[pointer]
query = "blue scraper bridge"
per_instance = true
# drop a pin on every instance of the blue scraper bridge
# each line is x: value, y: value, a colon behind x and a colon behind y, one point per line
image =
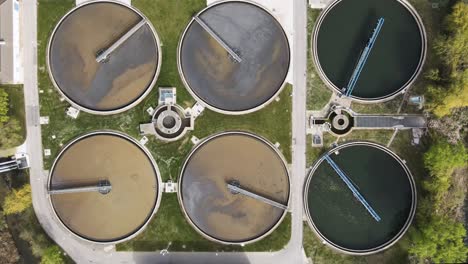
x: 363, y: 58
x: 352, y: 188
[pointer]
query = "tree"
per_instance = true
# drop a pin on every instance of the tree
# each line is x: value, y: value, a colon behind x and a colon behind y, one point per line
x: 452, y: 47
x: 3, y: 106
x: 52, y: 255
x: 441, y: 240
x: 18, y: 200
x: 449, y: 88
x: 455, y: 97
x: 441, y: 160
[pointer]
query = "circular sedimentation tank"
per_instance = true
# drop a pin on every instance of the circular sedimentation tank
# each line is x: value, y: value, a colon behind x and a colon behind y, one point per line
x: 113, y: 215
x: 245, y: 160
x: 336, y: 214
x: 341, y: 33
x: 214, y: 76
x: 114, y: 84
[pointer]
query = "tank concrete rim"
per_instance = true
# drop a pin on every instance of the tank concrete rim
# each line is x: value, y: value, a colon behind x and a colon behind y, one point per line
x: 201, y: 101
x: 403, y: 88
x: 179, y: 193
x: 131, y: 104
x: 179, y: 109
x: 350, y: 130
x: 385, y: 245
x: 337, y: 119
x: 153, y: 163
x: 169, y: 114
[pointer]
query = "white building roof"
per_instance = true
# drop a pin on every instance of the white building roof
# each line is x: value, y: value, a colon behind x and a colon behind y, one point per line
x: 11, y: 68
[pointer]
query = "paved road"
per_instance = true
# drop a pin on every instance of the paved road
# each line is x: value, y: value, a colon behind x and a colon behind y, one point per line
x: 385, y: 121
x: 83, y: 252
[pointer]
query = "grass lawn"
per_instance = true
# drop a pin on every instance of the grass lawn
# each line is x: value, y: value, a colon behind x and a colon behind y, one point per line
x: 318, y: 94
x: 389, y: 107
x: 169, y: 18
x: 16, y: 110
x: 322, y: 254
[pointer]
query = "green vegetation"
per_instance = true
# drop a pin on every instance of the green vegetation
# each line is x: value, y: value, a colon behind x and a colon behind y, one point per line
x: 18, y: 200
x: 3, y: 106
x: 168, y: 225
x: 30, y: 240
x: 441, y: 240
x: 52, y: 255
x: 8, y: 251
x: 12, y: 122
x: 389, y: 107
x: 318, y: 94
x: 438, y: 234
x: 441, y: 160
x: 448, y: 88
x: 439, y: 164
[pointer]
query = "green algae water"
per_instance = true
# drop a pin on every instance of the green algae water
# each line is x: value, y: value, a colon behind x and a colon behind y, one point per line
x: 381, y: 179
x: 395, y: 59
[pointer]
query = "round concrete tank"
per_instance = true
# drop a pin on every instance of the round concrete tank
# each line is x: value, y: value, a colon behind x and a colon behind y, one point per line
x: 226, y: 215
x: 343, y: 31
x: 104, y: 57
x: 104, y: 187
x: 234, y: 57
x: 338, y: 215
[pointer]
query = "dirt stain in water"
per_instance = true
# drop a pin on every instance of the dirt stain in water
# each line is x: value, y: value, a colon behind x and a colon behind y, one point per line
x: 103, y: 86
x: 213, y: 208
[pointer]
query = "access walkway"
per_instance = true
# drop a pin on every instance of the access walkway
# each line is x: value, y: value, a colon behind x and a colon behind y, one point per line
x: 382, y: 121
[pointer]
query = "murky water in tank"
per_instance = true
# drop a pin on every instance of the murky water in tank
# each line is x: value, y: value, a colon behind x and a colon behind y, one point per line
x: 103, y: 86
x: 340, y: 217
x: 394, y: 58
x: 256, y: 37
x: 220, y: 213
x: 114, y: 215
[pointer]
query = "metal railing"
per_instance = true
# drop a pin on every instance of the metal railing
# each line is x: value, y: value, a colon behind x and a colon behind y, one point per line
x: 363, y: 58
x: 353, y: 189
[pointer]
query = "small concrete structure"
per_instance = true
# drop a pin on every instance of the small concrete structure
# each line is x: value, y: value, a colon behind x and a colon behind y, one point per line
x: 11, y: 66
x: 167, y: 95
x: 170, y: 187
x: 417, y: 100
x: 47, y: 152
x: 196, y: 110
x: 150, y: 111
x: 143, y: 140
x: 194, y: 140
x: 73, y: 112
x: 169, y: 121
x: 44, y: 120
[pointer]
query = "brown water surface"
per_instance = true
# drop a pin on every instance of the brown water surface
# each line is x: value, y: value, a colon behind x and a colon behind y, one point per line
x: 213, y: 208
x: 116, y: 83
x: 115, y: 215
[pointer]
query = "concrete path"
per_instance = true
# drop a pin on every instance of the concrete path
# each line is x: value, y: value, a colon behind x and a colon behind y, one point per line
x: 79, y: 2
x: 384, y: 121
